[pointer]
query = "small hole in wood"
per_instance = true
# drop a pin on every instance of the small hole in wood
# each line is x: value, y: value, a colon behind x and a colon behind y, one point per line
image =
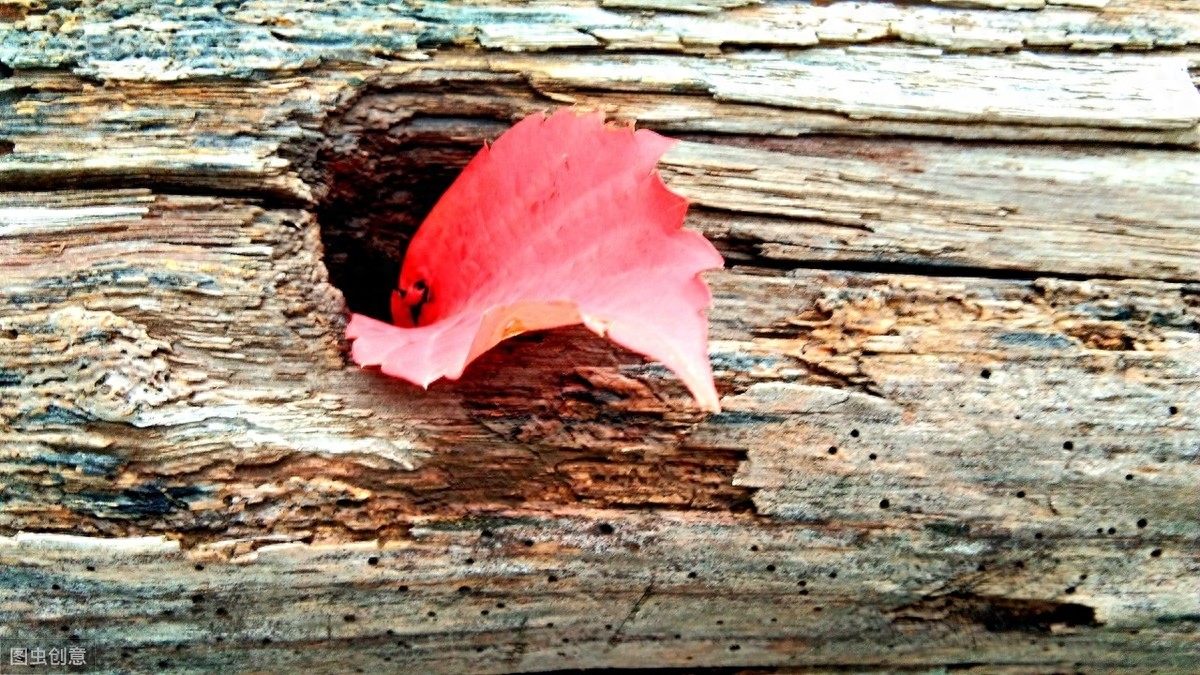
x: 883, y: 503
x: 1068, y: 445
x: 1156, y: 553
x: 985, y: 373
x: 373, y: 560
x: 605, y: 528
x: 1142, y: 523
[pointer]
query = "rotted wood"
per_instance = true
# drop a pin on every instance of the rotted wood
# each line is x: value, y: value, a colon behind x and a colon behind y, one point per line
x: 957, y: 340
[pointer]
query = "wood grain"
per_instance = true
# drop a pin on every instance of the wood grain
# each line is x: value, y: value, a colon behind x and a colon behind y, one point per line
x: 957, y: 342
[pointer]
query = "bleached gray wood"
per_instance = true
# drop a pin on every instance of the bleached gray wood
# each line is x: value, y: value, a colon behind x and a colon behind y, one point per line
x: 956, y: 342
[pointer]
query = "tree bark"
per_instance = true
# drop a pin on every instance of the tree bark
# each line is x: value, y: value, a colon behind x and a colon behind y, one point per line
x: 957, y: 341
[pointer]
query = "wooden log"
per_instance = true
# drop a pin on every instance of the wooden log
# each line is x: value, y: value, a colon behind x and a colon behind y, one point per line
x: 957, y: 342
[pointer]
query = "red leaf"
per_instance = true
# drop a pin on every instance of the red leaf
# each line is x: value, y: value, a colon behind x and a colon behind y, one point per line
x: 561, y: 221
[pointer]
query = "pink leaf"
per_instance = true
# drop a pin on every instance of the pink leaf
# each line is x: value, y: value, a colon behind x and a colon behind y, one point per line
x: 561, y: 221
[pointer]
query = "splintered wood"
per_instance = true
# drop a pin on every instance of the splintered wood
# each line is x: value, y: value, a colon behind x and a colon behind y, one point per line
x: 957, y: 342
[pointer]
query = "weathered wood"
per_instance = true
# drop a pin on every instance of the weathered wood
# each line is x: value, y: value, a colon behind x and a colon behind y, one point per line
x: 958, y: 343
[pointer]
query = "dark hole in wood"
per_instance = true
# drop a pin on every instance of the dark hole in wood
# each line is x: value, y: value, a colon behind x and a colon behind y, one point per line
x: 378, y: 194
x: 1001, y: 614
